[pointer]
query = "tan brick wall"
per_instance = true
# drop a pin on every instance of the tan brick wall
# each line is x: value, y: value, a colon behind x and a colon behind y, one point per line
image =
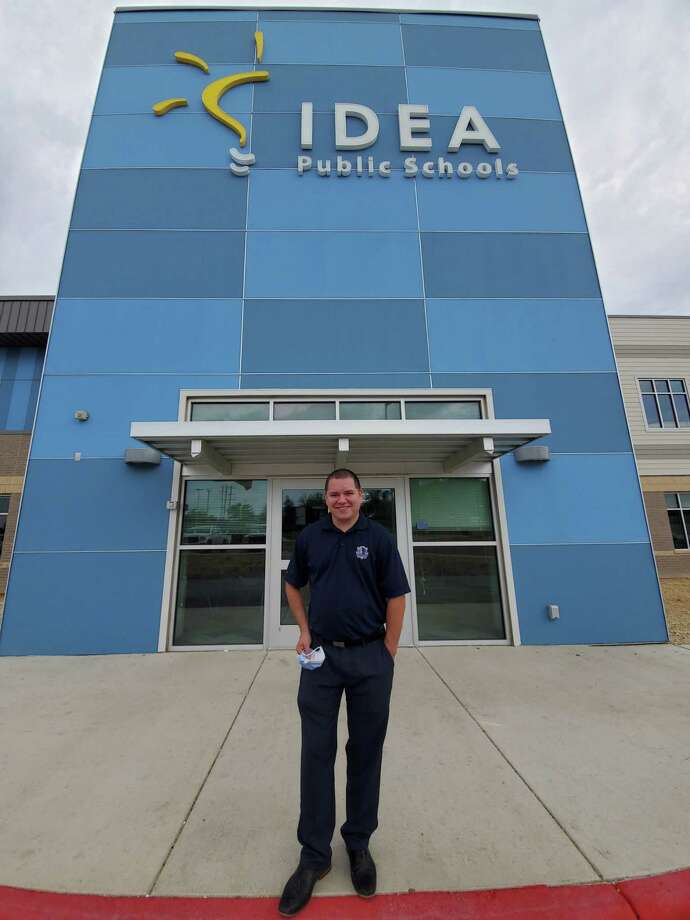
x: 659, y: 525
x: 676, y: 593
x: 14, y: 450
x: 665, y: 483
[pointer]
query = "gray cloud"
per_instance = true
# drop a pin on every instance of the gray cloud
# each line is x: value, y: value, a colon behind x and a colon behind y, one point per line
x: 620, y: 70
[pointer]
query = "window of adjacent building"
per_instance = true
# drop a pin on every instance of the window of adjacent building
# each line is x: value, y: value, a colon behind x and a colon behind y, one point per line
x: 665, y: 402
x: 678, y: 506
x: 222, y: 562
x: 4, y: 510
x: 457, y: 582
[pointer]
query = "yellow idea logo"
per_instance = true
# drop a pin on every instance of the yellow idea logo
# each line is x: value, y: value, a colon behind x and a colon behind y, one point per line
x: 211, y: 96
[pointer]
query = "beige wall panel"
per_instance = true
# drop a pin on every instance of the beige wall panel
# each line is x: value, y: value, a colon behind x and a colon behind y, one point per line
x: 663, y: 467
x: 665, y: 483
x: 674, y: 565
x: 676, y: 592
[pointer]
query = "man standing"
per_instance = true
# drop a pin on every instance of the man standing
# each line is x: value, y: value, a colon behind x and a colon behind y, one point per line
x: 358, y: 587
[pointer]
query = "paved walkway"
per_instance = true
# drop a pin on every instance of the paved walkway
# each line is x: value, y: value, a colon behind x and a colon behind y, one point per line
x: 177, y: 774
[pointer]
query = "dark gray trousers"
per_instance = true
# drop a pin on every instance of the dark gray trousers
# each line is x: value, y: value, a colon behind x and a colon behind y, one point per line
x: 365, y: 673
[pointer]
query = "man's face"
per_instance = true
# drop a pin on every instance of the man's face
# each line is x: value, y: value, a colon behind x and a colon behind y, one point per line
x: 344, y: 499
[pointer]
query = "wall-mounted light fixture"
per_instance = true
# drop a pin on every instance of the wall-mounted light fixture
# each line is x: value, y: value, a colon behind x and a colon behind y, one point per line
x: 81, y: 415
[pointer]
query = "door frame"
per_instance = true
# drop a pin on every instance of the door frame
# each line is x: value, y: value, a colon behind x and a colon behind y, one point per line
x: 277, y: 636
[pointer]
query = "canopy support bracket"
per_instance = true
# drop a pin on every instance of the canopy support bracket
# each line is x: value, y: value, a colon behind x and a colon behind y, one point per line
x: 205, y: 453
x: 477, y: 449
x: 343, y: 452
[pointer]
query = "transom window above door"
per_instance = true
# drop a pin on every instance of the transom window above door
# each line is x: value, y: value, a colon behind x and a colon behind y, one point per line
x: 284, y: 410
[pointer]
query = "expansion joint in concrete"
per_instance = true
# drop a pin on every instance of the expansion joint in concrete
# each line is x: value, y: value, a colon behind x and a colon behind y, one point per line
x: 205, y: 779
x: 515, y: 770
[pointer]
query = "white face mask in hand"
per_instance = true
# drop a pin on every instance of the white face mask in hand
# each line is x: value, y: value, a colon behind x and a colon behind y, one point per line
x: 313, y: 660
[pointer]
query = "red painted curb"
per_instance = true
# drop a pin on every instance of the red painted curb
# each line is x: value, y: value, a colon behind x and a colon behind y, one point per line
x: 573, y: 902
x: 661, y: 897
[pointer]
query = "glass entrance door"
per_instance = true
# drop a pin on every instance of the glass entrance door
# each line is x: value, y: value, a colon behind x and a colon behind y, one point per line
x: 297, y: 503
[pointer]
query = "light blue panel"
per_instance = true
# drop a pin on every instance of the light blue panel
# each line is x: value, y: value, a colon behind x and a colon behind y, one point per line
x: 283, y: 200
x: 533, y: 201
x: 188, y: 15
x: 176, y: 139
x: 113, y: 402
x: 148, y: 263
x: 606, y: 594
x: 350, y: 43
x: 332, y: 265
x: 536, y: 145
x: 492, y: 49
x: 275, y: 141
x: 574, y: 498
x: 382, y: 88
x: 130, y: 90
x: 82, y: 496
x: 140, y: 43
x: 500, y: 336
x: 145, y: 336
x: 585, y: 410
x: 19, y: 404
x: 298, y: 335
x: 29, y: 362
x: 83, y: 604
x: 551, y: 265
x: 328, y: 15
x: 501, y: 93
x: 468, y: 21
x: 384, y: 382
x: 159, y: 199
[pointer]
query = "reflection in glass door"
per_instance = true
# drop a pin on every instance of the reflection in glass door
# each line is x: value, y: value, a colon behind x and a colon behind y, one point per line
x: 297, y: 504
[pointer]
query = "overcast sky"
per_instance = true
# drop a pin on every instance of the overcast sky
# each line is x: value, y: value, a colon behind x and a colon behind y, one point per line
x: 622, y: 73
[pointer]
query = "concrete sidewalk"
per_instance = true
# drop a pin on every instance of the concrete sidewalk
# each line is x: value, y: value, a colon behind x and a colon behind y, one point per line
x: 177, y: 774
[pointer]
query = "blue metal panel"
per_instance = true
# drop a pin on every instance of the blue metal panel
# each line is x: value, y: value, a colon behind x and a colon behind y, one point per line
x: 334, y: 381
x: 494, y: 49
x: 81, y: 497
x: 187, y: 15
x: 508, y: 265
x: 574, y: 498
x: 348, y: 43
x: 149, y: 336
x: 106, y: 602
x: 29, y: 362
x: 381, y: 88
x: 586, y: 410
x: 18, y: 408
x: 328, y: 15
x: 501, y: 93
x: 176, y: 139
x: 147, y: 263
x: 280, y: 199
x: 113, y: 402
x: 504, y: 336
x: 332, y: 265
x: 152, y: 43
x: 275, y: 140
x: 464, y: 20
x: 606, y: 594
x: 535, y: 145
x: 131, y: 90
x: 548, y: 203
x: 299, y: 341
x: 159, y: 199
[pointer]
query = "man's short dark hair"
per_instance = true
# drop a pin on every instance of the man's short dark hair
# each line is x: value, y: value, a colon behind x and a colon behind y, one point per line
x: 342, y: 474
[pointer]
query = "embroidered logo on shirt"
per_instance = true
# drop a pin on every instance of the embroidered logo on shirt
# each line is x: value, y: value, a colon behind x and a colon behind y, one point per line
x: 362, y: 552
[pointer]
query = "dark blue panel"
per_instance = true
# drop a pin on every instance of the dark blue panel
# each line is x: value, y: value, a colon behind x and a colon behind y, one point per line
x: 214, y: 14
x: 349, y: 43
x: 467, y: 20
x: 31, y: 407
x: 275, y: 140
x: 157, y: 42
x: 494, y: 49
x: 334, y: 381
x: 149, y: 263
x: 381, y: 88
x: 535, y: 145
x: 159, y: 199
x: 508, y: 265
x: 83, y: 604
x: 586, y: 410
x: 605, y: 594
x: 145, y: 336
x: 372, y: 335
x: 329, y: 15
x: 94, y: 505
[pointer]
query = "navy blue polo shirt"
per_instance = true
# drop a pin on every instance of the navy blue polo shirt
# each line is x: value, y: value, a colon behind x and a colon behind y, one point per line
x: 351, y: 575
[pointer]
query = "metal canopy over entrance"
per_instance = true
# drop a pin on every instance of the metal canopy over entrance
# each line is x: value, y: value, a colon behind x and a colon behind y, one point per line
x: 449, y: 444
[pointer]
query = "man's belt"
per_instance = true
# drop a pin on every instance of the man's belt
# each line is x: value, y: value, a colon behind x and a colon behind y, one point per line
x: 348, y: 643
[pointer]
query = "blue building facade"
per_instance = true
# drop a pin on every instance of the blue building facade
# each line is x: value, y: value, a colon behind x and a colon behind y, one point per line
x: 359, y: 253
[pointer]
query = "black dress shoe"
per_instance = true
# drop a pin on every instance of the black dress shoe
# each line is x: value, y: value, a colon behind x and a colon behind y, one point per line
x: 363, y: 872
x: 298, y: 889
